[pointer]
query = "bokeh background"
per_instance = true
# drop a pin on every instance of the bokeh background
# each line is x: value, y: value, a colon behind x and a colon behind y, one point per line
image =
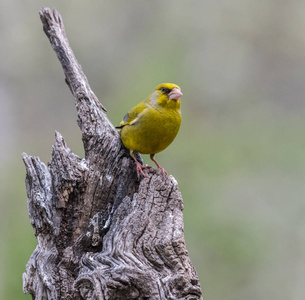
x: 239, y: 158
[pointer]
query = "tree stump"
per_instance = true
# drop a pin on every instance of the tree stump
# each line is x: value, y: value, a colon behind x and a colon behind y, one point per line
x: 101, y: 234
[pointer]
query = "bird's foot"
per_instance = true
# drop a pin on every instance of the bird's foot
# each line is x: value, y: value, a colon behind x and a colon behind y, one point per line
x: 139, y: 168
x: 159, y: 167
x: 145, y: 167
x: 162, y: 170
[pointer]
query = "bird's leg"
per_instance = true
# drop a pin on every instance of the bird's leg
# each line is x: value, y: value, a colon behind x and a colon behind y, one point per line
x: 139, y: 166
x: 159, y: 167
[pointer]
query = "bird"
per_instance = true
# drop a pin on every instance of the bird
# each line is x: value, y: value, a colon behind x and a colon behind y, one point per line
x: 152, y: 125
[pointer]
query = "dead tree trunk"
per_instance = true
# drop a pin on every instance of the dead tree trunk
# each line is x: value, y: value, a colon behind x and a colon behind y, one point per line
x: 101, y: 234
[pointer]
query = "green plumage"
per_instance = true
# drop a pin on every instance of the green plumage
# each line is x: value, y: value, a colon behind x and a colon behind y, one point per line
x: 152, y: 125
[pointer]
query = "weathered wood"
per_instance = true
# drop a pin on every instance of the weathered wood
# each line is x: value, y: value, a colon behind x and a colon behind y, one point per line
x: 101, y: 234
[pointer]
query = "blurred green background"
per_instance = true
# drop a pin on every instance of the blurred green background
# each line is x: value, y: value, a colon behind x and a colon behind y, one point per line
x: 239, y: 158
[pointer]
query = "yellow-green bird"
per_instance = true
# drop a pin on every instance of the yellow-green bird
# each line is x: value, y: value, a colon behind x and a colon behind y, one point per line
x: 152, y: 125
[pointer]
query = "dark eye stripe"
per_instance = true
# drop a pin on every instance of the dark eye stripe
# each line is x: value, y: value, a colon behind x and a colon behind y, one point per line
x: 165, y: 90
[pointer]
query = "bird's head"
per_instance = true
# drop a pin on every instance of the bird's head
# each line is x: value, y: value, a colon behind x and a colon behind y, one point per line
x: 166, y: 95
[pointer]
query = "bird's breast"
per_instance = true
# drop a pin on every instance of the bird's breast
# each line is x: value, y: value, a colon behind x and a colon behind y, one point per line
x: 153, y: 131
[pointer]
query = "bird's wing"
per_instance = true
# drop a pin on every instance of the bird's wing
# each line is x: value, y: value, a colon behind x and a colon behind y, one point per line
x: 132, y: 116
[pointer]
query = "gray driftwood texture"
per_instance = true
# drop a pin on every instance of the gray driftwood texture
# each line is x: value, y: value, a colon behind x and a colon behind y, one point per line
x: 101, y: 234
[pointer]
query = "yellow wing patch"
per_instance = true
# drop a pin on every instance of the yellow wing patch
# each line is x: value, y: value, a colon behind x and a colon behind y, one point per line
x: 132, y: 115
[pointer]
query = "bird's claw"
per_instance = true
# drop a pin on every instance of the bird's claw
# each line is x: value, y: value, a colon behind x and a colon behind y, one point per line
x: 140, y: 169
x: 162, y: 170
x: 159, y: 167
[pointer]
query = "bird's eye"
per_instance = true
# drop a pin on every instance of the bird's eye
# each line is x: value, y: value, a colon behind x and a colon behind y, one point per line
x: 163, y: 89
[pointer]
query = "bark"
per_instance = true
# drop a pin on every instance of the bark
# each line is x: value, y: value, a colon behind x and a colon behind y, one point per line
x: 101, y: 233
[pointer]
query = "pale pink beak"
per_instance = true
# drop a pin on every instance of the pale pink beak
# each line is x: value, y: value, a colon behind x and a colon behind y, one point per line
x: 175, y: 94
